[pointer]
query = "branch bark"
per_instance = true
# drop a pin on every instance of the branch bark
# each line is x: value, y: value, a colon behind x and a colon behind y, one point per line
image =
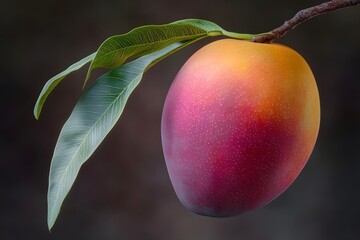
x: 303, y: 16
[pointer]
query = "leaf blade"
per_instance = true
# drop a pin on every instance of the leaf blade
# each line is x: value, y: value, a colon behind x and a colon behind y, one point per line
x: 54, y: 81
x: 146, y: 39
x: 85, y: 129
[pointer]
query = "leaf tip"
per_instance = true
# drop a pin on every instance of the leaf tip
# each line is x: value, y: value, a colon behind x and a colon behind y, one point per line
x: 50, y: 225
x: 51, y: 221
x: 37, y: 111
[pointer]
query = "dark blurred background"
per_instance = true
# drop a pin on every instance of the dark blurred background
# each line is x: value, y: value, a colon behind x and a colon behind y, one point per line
x: 123, y: 191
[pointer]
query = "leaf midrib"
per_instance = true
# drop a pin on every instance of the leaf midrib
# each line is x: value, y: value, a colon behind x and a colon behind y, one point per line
x: 142, y: 44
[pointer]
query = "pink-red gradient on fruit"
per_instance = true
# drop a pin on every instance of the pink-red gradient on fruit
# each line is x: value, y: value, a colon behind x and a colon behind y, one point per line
x: 239, y: 123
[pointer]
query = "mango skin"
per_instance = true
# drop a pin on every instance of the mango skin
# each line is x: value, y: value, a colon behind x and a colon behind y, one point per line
x: 239, y: 124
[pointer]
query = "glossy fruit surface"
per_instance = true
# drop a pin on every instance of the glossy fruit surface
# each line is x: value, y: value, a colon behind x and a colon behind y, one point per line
x: 239, y: 123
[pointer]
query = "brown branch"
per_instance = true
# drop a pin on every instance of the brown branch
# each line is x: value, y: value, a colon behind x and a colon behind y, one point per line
x: 303, y: 16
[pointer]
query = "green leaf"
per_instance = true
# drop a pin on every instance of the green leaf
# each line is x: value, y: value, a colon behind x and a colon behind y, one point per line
x: 146, y: 39
x: 93, y: 117
x: 114, y: 51
x: 54, y: 81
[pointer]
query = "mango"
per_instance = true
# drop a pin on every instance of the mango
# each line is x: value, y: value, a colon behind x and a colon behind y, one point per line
x: 239, y: 124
